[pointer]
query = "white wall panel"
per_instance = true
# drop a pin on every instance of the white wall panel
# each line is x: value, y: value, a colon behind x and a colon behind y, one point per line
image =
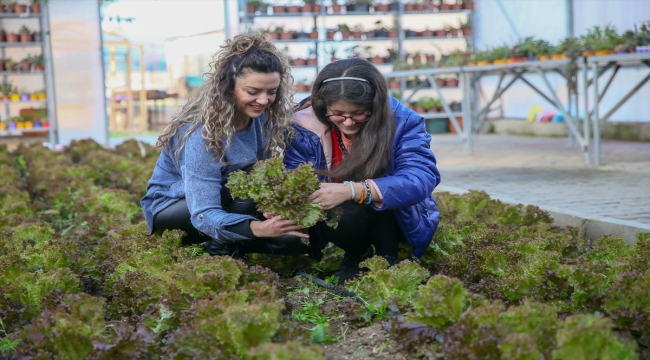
x: 78, y: 75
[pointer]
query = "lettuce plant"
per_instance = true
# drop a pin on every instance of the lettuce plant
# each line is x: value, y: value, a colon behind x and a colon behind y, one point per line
x: 281, y: 192
x: 440, y: 303
x: 228, y: 325
x: 586, y: 337
x: 67, y: 331
x: 383, y: 285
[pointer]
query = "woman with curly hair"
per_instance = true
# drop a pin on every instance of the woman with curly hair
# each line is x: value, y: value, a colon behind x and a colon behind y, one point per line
x: 239, y: 115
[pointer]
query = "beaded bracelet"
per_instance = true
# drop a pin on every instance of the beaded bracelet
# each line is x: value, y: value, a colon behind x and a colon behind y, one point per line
x: 351, y: 183
x: 363, y: 194
x: 368, y: 198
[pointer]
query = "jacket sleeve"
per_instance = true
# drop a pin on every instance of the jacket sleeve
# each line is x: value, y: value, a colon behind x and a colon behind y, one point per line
x: 299, y: 150
x: 414, y: 174
x: 201, y: 172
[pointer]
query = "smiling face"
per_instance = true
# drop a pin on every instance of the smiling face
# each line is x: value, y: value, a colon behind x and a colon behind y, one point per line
x: 254, y: 92
x: 349, y: 128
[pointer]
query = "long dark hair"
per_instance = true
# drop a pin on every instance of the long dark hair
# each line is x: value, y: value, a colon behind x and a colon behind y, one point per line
x: 213, y: 103
x: 369, y: 157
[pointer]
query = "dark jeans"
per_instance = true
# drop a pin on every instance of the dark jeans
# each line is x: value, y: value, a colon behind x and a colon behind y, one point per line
x: 177, y: 216
x: 359, y: 227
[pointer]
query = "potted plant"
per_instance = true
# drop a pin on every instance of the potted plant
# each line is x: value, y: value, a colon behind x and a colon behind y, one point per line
x: 12, y: 37
x: 298, y: 61
x: 393, y: 32
x: 17, y: 7
x: 440, y: 33
x: 35, y: 6
x: 452, y: 31
x: 313, y: 34
x: 353, y: 51
x: 466, y: 27
x: 357, y: 30
x: 331, y: 51
x: 253, y: 5
x: 451, y: 82
x: 408, y: 7
x: 344, y: 30
x: 3, y: 9
x: 302, y: 85
x: 26, y: 63
x: 3, y: 35
x: 293, y: 9
x: 278, y: 9
x: 330, y: 34
x: 456, y: 6
x: 394, y: 83
x: 286, y: 35
x: 336, y: 7
x: 381, y: 7
x: 5, y: 90
x: 444, y: 6
x: 313, y: 59
x: 311, y: 6
x: 38, y: 62
x: 393, y: 54
x: 25, y: 34
x: 37, y: 36
x: 468, y: 4
x: 377, y: 59
x: 415, y: 106
x: 381, y: 31
x: 430, y: 57
x: 418, y: 5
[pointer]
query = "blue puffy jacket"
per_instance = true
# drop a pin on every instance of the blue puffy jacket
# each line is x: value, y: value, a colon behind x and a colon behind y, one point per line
x: 408, y: 187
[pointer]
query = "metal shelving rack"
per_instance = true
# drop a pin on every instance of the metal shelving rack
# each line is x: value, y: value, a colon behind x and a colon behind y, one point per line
x: 48, y: 79
x: 247, y: 19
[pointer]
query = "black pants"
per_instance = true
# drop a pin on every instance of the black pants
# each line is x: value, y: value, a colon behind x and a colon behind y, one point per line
x: 359, y: 227
x: 177, y: 216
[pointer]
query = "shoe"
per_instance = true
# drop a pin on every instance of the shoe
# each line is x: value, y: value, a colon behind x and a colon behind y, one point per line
x: 349, y: 268
x: 215, y: 247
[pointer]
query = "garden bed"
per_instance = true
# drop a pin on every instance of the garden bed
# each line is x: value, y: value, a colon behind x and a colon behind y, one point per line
x: 79, y: 278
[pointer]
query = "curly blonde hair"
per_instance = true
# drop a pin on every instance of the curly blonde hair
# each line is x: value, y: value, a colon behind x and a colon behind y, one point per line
x: 213, y: 103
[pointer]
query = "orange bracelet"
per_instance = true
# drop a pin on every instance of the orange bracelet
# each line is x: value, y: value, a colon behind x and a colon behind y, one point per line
x: 362, y: 196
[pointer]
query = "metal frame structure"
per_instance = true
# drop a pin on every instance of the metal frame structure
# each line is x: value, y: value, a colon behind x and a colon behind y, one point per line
x: 114, y: 105
x: 474, y: 115
x: 48, y: 77
x: 598, y: 66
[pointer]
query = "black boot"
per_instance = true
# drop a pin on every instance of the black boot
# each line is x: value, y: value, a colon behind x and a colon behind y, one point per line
x: 349, y: 268
x: 215, y: 247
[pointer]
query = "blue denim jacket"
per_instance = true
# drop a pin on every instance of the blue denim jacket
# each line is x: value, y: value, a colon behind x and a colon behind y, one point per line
x: 198, y: 176
x: 408, y: 188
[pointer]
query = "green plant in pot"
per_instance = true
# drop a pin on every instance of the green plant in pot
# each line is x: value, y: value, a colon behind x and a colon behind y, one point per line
x: 25, y: 34
x: 38, y: 62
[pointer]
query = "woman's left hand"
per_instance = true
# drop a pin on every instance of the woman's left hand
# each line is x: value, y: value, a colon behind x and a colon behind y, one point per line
x: 331, y: 195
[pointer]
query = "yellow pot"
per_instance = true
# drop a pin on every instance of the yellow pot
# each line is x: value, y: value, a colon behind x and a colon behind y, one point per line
x: 558, y: 56
x: 601, y: 52
x: 471, y: 63
x: 33, y: 97
x: 3, y: 126
x: 42, y: 96
x: 20, y: 125
x: 29, y: 125
x: 14, y: 97
x: 588, y: 53
x: 482, y: 63
x: 544, y: 58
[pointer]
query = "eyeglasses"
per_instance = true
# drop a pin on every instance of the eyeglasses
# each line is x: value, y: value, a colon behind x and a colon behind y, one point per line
x: 357, y: 118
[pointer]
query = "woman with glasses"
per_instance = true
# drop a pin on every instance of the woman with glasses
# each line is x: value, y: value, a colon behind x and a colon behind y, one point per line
x: 372, y: 154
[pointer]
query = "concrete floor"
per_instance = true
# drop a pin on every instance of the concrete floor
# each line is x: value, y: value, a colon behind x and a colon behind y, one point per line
x: 549, y: 172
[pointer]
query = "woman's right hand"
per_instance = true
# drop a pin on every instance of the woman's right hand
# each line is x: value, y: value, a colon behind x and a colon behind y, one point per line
x: 275, y: 226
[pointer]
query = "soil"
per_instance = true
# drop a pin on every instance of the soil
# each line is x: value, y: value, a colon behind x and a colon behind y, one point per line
x: 349, y: 340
